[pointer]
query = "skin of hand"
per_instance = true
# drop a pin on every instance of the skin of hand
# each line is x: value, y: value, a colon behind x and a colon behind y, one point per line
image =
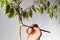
x: 34, y: 33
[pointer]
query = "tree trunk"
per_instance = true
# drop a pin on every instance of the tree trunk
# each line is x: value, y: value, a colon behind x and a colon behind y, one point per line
x: 19, y: 28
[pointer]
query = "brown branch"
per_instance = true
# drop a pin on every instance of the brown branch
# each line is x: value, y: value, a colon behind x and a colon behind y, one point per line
x: 40, y: 29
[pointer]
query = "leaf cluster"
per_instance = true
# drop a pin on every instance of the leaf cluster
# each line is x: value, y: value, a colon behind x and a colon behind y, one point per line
x: 12, y: 8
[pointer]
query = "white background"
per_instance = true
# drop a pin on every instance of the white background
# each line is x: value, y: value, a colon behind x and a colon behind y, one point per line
x: 9, y: 27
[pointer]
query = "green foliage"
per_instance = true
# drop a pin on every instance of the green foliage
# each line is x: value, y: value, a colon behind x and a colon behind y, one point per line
x: 11, y: 14
x: 55, y: 7
x: 59, y: 2
x: 54, y: 13
x: 0, y: 0
x: 7, y: 9
x: 44, y: 7
x: 48, y: 4
x: 41, y: 1
x: 10, y: 10
x: 13, y: 8
x: 2, y: 3
x: 17, y: 9
x: 14, y: 0
x: 40, y: 10
x: 50, y: 13
x: 25, y: 15
x: 30, y: 12
x: 33, y: 7
x: 6, y: 2
x: 51, y: 10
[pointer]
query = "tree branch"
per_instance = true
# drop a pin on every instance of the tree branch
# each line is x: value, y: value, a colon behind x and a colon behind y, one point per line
x: 20, y: 3
x: 40, y: 29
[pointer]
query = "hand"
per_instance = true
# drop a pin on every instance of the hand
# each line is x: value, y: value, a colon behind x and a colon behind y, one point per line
x: 33, y: 33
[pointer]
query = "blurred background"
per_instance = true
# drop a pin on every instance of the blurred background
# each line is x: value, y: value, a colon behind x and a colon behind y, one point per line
x: 9, y: 27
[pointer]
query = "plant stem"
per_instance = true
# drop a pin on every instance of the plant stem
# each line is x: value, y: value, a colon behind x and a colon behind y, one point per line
x: 19, y: 22
x: 19, y: 28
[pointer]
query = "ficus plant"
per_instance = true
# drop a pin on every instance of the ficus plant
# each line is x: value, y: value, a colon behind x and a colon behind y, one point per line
x: 13, y: 8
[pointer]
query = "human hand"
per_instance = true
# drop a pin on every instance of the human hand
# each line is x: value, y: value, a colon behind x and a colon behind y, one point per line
x: 33, y: 33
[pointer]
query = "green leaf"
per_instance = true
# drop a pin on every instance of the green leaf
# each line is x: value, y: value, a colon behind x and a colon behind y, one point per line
x: 14, y: 1
x: 7, y: 9
x: 33, y: 7
x: 50, y: 13
x: 27, y: 15
x: 59, y: 2
x: 17, y: 10
x: 6, y: 2
x: 2, y: 3
x: 54, y: 13
x: 24, y: 15
x: 55, y: 7
x: 40, y: 10
x: 12, y: 10
x: 30, y: 13
x: 44, y: 7
x: 48, y: 3
x: 41, y: 1
x: 11, y: 14
x: 0, y: 0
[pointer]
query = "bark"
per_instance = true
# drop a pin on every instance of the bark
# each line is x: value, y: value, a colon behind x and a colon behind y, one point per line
x: 19, y: 28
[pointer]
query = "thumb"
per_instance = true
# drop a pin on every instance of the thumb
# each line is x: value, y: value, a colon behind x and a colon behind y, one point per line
x: 29, y: 30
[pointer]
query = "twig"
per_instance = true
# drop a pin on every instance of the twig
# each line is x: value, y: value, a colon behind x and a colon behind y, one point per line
x: 40, y: 29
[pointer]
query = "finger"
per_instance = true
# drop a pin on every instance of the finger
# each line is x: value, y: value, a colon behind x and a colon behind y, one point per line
x: 35, y: 27
x: 37, y: 30
x: 29, y: 30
